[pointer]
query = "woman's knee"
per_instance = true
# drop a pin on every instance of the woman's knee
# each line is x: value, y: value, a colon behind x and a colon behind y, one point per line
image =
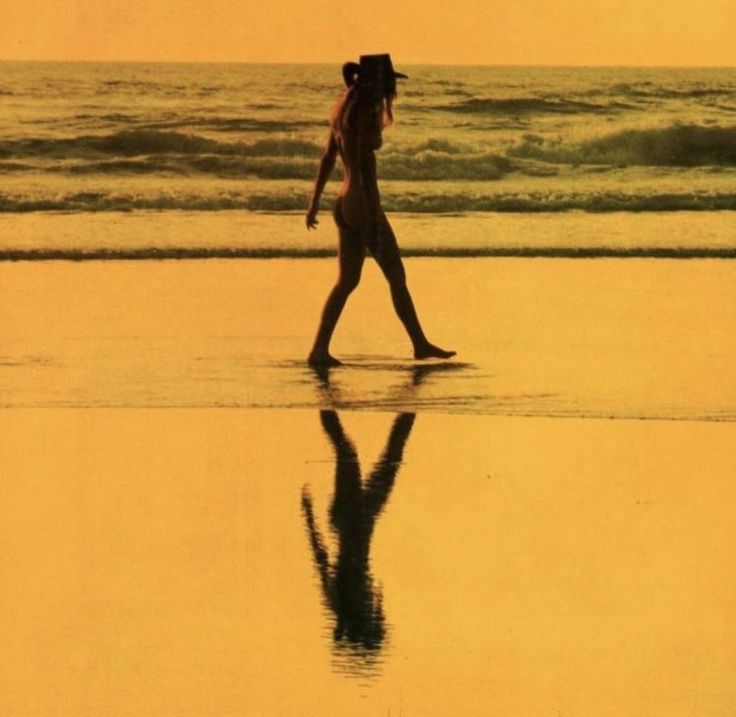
x: 395, y: 273
x: 348, y: 281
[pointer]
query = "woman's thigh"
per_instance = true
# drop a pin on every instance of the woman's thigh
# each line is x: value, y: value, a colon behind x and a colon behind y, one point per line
x: 386, y: 252
x: 351, y: 256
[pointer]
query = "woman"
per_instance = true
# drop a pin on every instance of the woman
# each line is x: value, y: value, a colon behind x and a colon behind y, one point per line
x: 356, y: 128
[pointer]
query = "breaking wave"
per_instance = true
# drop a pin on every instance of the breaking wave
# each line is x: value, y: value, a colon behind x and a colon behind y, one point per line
x: 414, y: 202
x: 679, y: 145
x: 430, y: 164
x: 131, y: 143
x: 176, y: 153
x: 151, y: 151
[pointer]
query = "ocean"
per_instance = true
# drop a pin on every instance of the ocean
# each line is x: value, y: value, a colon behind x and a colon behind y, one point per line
x: 134, y: 159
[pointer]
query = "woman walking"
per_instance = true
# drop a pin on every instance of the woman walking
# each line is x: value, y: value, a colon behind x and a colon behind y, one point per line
x: 356, y: 132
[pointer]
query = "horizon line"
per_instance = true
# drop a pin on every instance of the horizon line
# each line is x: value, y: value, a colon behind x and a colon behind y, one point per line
x: 339, y: 62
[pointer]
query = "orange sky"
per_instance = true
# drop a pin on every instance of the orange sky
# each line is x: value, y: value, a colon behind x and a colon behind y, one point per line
x: 580, y: 32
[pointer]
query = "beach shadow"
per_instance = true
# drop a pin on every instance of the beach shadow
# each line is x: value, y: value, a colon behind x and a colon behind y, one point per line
x: 349, y: 591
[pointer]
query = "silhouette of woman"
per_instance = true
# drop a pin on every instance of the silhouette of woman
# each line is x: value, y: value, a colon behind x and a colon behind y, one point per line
x: 356, y: 127
x: 347, y: 585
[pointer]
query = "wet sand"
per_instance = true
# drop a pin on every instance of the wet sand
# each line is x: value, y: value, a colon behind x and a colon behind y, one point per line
x: 228, y: 233
x: 157, y: 562
x: 630, y: 338
x: 522, y: 556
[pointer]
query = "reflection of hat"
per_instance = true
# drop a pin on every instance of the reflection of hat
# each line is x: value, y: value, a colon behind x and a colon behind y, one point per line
x: 375, y: 70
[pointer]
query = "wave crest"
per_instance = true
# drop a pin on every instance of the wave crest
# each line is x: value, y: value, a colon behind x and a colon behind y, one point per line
x: 431, y: 164
x: 679, y: 145
x: 139, y: 142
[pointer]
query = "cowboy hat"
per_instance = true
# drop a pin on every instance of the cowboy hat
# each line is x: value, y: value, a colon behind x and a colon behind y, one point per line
x: 373, y: 69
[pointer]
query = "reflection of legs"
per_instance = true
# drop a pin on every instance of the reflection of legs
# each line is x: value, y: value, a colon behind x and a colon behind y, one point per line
x: 381, y: 480
x: 344, y: 449
x: 351, y: 257
x: 388, y: 258
x: 346, y: 505
x: 347, y: 583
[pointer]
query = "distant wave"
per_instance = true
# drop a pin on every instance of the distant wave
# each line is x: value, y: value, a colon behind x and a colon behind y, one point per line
x: 679, y: 145
x: 211, y: 124
x: 233, y: 124
x: 529, y: 105
x: 137, y: 84
x: 157, y: 253
x: 650, y: 91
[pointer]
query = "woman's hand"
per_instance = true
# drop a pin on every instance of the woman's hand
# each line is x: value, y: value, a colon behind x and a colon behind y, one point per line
x: 311, y: 219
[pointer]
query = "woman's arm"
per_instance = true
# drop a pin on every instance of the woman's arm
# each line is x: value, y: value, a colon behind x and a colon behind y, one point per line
x: 319, y: 551
x: 326, y: 165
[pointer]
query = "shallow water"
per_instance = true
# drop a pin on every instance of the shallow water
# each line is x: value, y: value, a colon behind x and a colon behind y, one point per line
x: 623, y: 338
x: 159, y: 562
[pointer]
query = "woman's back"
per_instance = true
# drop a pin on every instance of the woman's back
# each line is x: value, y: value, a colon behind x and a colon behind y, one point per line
x: 357, y: 128
x: 357, y: 131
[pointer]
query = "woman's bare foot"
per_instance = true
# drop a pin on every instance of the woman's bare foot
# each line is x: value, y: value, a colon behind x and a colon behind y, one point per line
x: 432, y: 351
x: 322, y: 359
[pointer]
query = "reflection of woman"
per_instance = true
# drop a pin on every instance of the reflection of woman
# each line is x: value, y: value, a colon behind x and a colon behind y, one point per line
x: 347, y: 585
x: 356, y: 132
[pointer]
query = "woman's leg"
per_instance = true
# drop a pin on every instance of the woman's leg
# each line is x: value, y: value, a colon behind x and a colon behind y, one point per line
x: 351, y: 255
x: 386, y: 253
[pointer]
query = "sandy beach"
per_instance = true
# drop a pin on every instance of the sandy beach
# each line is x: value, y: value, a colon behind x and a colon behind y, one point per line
x: 528, y: 558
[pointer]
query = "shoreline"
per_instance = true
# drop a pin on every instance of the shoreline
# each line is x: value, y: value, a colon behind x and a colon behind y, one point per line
x: 625, y: 338
x: 248, y: 234
x: 184, y: 253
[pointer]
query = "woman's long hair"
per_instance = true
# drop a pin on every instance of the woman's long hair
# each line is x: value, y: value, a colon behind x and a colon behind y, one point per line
x: 355, y: 94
